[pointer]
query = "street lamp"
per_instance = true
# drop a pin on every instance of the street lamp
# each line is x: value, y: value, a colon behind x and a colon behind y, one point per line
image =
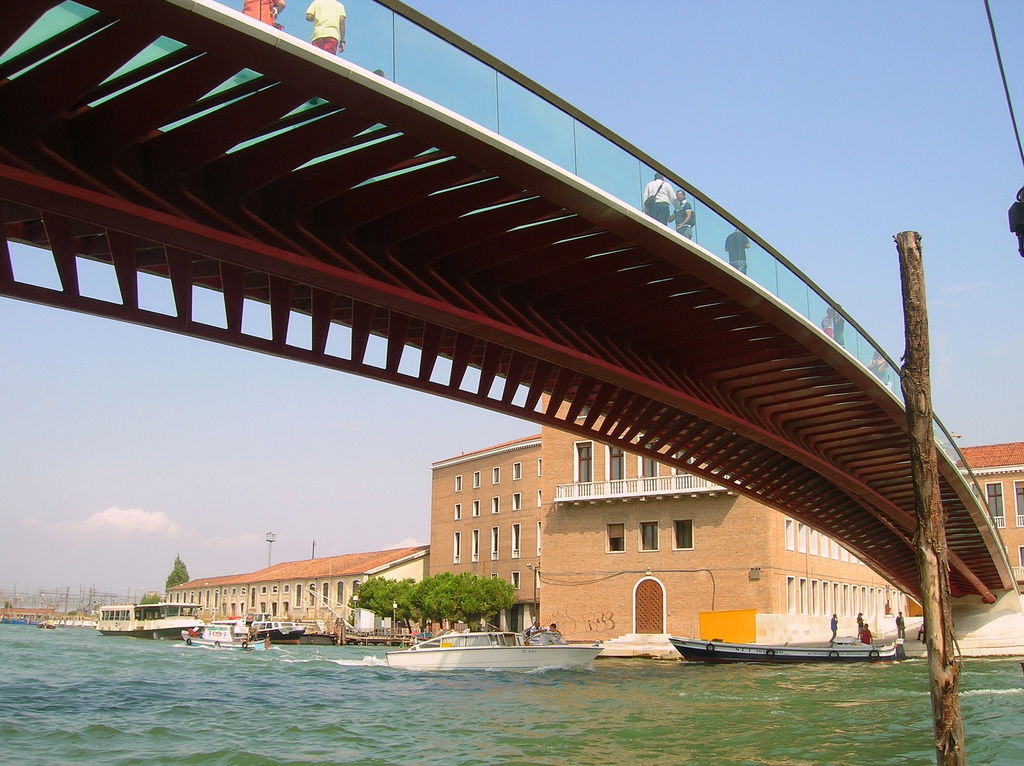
x: 535, y: 568
x: 270, y: 541
x: 394, y: 619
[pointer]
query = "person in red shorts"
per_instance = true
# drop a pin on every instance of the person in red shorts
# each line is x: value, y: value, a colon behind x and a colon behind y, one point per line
x: 266, y: 11
x: 328, y: 17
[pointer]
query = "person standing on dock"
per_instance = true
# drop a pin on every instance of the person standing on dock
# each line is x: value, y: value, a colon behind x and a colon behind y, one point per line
x: 901, y: 626
x: 834, y: 624
x: 865, y: 635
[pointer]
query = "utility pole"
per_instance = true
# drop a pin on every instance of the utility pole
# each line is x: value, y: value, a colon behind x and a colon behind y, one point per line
x: 930, y: 537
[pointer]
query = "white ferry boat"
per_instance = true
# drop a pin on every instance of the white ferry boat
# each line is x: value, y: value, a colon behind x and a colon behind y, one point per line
x: 148, y: 620
x: 501, y: 651
x: 224, y: 634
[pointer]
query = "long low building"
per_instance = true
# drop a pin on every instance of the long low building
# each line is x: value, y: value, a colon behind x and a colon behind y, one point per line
x: 312, y: 589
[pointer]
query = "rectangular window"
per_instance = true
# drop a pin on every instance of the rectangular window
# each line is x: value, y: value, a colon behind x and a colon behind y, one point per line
x: 813, y: 548
x: 517, y: 471
x: 494, y: 505
x: 458, y: 511
x: 515, y: 580
x: 540, y: 465
x: 475, y: 552
x: 458, y: 483
x: 648, y: 467
x: 476, y: 508
x: 584, y: 462
x: 457, y: 548
x: 790, y: 595
x: 801, y: 538
x: 538, y: 538
x: 496, y: 475
x: 803, y: 595
x: 517, y: 501
x: 476, y: 479
x: 648, y: 535
x: 790, y: 535
x: 616, y: 464
x: 994, y: 495
x: 1020, y: 555
x: 494, y: 543
x: 616, y: 538
x: 516, y: 540
x: 539, y: 498
x: 1018, y: 494
x: 683, y: 529
x: 814, y: 597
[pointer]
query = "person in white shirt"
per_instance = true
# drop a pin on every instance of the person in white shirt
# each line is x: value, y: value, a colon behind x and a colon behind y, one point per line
x: 658, y: 196
x: 328, y: 17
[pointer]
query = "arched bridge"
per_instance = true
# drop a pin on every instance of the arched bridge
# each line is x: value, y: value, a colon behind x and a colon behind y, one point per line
x: 489, y: 251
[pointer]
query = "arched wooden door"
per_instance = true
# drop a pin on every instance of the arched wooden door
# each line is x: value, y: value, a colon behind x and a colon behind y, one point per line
x: 649, y: 607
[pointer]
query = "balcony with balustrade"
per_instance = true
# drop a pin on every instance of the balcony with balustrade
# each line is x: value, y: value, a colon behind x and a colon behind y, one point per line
x: 641, y: 488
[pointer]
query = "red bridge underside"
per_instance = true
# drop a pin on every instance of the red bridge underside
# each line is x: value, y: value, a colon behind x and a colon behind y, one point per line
x: 546, y: 302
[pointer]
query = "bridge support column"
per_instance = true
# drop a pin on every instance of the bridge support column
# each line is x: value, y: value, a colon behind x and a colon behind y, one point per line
x: 989, y: 630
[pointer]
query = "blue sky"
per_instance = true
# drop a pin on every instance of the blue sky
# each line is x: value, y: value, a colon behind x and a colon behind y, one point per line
x: 826, y: 127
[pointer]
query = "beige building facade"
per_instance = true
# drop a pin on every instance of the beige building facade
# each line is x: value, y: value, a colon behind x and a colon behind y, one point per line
x: 608, y: 543
x: 309, y: 590
x: 999, y: 470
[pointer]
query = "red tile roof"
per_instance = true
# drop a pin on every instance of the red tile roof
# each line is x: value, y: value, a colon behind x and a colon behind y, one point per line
x: 993, y: 455
x: 489, y: 449
x: 330, y: 566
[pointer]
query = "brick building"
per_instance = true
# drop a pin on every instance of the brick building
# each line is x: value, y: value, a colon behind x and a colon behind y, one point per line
x: 312, y: 589
x: 999, y: 469
x: 632, y: 546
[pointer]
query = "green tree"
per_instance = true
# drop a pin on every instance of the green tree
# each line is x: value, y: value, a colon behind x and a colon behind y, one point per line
x: 178, y: 575
x: 378, y: 594
x: 150, y: 598
x: 463, y: 597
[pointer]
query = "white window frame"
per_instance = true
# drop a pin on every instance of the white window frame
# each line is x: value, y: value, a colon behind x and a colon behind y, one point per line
x: 475, y: 508
x: 517, y: 539
x: 789, y: 533
x: 496, y: 475
x: 608, y: 537
x: 517, y: 471
x: 458, y: 483
x: 457, y: 548
x: 495, y: 536
x: 517, y: 501
x: 476, y: 480
x: 495, y: 505
x: 458, y: 511
x: 516, y: 580
x: 675, y: 540
x: 657, y: 536
x: 475, y: 546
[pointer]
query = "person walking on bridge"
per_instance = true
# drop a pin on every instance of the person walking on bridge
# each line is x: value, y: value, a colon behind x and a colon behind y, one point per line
x: 328, y: 17
x: 266, y: 11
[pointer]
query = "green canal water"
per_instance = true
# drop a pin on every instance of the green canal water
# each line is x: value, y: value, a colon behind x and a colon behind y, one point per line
x: 73, y: 697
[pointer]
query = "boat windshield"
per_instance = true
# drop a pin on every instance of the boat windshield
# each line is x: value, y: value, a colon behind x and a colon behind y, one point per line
x: 462, y: 640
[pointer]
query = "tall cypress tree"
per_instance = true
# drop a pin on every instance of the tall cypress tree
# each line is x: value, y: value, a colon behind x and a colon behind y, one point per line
x: 178, y: 575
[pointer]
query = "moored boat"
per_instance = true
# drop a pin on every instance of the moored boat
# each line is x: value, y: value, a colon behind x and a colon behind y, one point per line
x: 165, y: 620
x: 698, y: 650
x: 264, y: 626
x: 224, y: 634
x: 490, y: 650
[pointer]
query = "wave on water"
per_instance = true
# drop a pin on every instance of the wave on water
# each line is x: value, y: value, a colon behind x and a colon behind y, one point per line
x: 990, y: 692
x: 367, y: 661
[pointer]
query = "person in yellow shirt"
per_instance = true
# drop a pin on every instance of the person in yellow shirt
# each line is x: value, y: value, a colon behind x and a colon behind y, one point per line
x: 328, y: 17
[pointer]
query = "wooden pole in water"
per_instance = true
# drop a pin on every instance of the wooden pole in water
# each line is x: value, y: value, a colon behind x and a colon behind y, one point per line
x: 930, y: 538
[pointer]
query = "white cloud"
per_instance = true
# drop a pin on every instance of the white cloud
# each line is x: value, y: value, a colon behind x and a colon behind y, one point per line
x: 408, y: 542
x: 130, y: 521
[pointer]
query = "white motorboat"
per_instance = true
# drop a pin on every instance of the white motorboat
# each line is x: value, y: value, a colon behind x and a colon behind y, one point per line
x: 497, y: 650
x: 224, y: 634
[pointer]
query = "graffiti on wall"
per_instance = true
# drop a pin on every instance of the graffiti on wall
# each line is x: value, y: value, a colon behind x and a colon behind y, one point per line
x: 588, y: 622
